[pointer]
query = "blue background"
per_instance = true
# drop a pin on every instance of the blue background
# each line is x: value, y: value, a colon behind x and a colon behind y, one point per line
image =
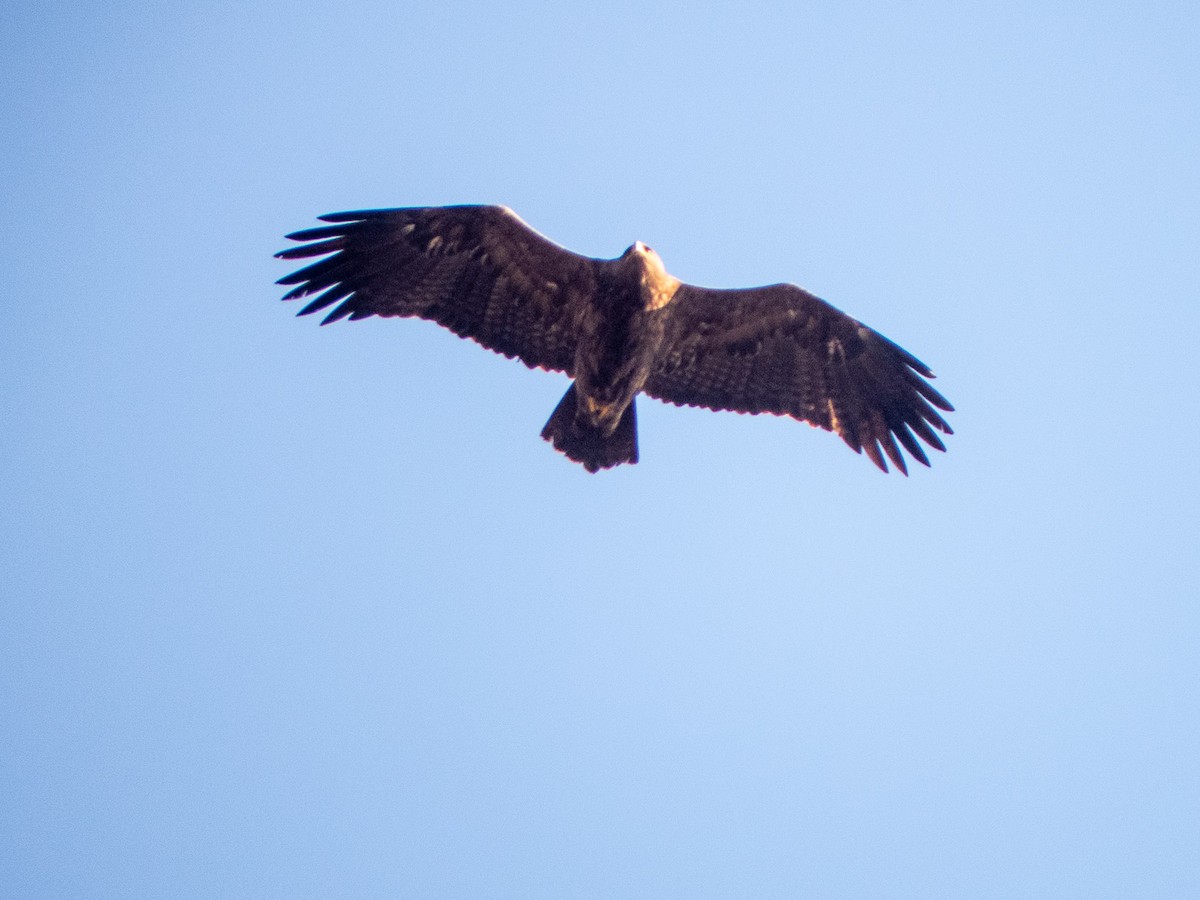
x: 291, y: 611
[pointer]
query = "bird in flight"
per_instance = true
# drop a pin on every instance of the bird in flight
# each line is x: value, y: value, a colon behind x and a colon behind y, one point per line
x: 620, y: 327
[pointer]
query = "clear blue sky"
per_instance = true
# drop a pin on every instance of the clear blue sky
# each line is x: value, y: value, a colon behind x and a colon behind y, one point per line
x: 302, y: 612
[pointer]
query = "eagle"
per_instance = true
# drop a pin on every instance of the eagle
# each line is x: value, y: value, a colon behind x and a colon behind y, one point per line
x: 620, y: 327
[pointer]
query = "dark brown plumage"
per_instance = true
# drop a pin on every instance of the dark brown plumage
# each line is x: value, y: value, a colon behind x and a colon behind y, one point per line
x: 621, y: 327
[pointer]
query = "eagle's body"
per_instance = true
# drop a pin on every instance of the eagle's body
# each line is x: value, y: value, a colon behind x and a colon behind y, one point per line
x: 620, y: 327
x: 620, y: 335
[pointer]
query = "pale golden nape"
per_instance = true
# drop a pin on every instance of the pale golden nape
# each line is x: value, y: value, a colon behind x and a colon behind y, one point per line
x: 658, y: 287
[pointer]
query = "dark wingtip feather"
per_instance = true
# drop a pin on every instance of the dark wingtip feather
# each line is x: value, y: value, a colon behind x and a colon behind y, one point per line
x: 319, y: 248
x: 340, y: 313
x: 893, y: 452
x: 355, y: 215
x: 316, y: 234
x: 297, y: 292
x: 930, y: 393
x: 929, y: 414
x: 872, y: 450
x: 910, y: 443
x: 909, y: 360
x: 940, y: 424
x: 333, y: 295
x: 315, y: 273
x: 925, y: 433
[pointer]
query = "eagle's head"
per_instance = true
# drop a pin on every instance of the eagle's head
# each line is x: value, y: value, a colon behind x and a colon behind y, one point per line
x: 657, y: 286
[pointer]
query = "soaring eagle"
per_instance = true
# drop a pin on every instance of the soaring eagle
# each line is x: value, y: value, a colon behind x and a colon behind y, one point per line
x: 620, y: 327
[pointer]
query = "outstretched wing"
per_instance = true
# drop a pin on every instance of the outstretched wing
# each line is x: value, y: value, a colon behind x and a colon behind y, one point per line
x: 779, y: 349
x: 478, y: 270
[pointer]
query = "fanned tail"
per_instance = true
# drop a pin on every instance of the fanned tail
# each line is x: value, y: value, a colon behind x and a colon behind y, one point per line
x: 587, y: 444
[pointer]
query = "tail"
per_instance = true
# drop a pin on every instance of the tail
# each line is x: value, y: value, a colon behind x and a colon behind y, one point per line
x: 587, y: 444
